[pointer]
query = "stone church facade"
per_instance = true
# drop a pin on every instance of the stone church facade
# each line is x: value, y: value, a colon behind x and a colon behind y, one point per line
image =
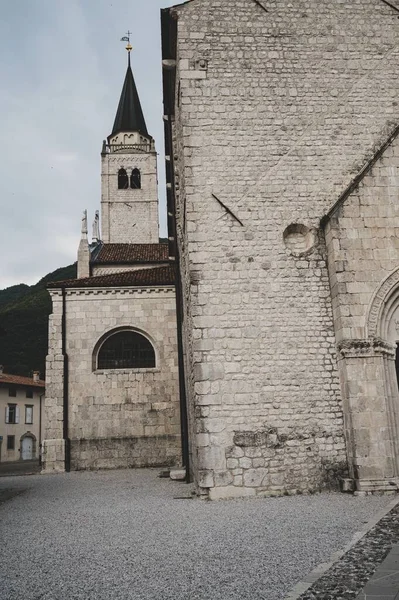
x: 261, y: 342
x: 282, y: 148
x: 112, y: 396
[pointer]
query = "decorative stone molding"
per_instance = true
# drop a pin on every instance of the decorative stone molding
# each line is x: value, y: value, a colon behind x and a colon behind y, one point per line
x: 122, y: 291
x: 379, y: 300
x: 369, y: 347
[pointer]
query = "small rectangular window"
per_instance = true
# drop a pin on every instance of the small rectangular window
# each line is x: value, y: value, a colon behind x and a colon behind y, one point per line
x: 29, y: 393
x: 12, y: 392
x: 11, y: 442
x: 12, y: 414
x: 28, y: 415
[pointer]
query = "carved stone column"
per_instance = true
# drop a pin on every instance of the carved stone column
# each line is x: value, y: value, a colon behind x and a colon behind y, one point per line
x: 370, y: 402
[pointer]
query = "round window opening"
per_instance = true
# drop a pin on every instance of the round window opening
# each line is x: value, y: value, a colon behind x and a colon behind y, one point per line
x: 299, y: 239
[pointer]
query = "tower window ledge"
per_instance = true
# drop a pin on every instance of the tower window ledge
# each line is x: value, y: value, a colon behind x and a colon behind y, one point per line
x: 121, y: 371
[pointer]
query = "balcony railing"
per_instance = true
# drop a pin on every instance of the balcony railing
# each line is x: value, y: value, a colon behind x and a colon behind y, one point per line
x: 130, y: 148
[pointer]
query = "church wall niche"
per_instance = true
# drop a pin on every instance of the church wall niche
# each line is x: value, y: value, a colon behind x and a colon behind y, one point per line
x: 299, y: 239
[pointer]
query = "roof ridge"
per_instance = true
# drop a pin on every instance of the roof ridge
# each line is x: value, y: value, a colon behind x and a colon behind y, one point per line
x: 132, y: 254
x: 21, y: 379
x: 160, y: 275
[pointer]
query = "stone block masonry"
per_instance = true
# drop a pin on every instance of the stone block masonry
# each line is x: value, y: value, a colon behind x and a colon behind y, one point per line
x: 129, y: 215
x: 275, y: 114
x: 117, y: 418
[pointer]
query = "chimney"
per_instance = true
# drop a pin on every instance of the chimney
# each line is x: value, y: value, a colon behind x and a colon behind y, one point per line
x: 1, y: 369
x: 36, y: 376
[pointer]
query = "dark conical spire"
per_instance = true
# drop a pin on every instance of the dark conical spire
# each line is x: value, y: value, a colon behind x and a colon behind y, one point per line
x: 129, y: 116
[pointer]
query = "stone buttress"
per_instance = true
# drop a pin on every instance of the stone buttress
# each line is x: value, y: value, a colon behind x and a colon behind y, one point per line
x: 271, y: 110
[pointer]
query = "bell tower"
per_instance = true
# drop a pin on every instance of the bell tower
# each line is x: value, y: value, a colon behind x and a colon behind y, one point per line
x: 129, y: 185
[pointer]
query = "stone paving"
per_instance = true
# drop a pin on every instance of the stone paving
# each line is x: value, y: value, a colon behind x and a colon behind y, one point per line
x: 368, y: 571
x: 130, y: 535
x: 384, y: 585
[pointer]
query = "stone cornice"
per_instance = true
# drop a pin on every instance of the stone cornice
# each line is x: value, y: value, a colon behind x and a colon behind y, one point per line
x: 365, y: 347
x: 120, y: 291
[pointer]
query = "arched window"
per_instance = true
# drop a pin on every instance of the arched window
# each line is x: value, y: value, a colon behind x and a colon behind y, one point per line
x: 135, y: 180
x: 123, y: 180
x: 126, y: 350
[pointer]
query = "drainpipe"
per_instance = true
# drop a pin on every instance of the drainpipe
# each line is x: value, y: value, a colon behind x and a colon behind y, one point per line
x: 66, y: 386
x: 169, y: 34
x: 40, y: 428
x: 179, y: 318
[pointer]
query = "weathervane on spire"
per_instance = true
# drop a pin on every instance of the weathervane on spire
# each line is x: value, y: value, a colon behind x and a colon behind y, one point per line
x: 126, y: 38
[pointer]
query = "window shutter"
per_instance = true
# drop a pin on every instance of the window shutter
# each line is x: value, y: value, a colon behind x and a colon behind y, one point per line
x: 17, y: 414
x: 7, y: 414
x: 29, y: 415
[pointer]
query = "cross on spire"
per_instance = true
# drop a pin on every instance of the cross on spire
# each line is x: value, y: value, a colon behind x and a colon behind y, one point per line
x: 129, y: 116
x: 129, y: 48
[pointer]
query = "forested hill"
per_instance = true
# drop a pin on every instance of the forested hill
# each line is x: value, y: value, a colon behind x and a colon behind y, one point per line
x: 24, y: 312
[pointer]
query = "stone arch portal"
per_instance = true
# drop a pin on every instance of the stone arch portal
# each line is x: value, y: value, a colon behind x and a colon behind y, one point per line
x: 28, y: 446
x: 384, y: 304
x: 368, y: 370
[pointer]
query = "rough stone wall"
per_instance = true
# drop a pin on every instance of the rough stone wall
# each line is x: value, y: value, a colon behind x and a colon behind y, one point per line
x: 363, y: 250
x: 277, y: 111
x: 129, y: 216
x: 118, y: 418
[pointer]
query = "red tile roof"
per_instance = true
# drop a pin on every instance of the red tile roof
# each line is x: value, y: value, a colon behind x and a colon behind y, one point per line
x: 141, y: 278
x: 18, y: 380
x: 132, y: 253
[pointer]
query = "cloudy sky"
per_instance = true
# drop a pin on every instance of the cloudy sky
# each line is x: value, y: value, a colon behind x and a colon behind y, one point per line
x: 62, y: 71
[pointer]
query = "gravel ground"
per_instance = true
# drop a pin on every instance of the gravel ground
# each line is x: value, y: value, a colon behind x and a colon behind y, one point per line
x: 124, y: 535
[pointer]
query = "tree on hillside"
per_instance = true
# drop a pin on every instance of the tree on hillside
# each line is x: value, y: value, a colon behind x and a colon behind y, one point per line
x: 24, y: 312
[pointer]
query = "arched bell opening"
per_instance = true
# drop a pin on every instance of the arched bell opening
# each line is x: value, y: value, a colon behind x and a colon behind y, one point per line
x: 135, y: 180
x: 123, y: 180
